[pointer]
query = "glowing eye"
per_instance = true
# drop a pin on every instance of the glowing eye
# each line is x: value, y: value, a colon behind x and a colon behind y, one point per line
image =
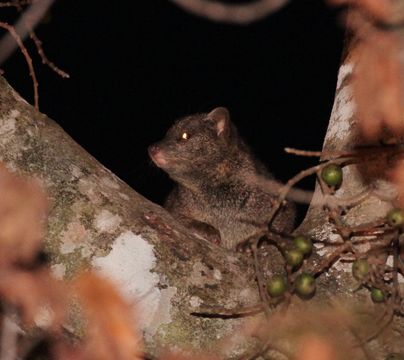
x: 185, y: 136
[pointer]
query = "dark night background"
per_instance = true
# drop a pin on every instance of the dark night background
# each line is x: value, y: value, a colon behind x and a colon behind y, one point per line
x: 136, y: 66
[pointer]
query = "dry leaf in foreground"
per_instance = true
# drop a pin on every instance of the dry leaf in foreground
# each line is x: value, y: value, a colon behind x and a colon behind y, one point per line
x: 314, y: 331
x: 39, y: 297
x: 23, y: 210
x: 379, y: 9
x: 110, y: 332
x: 182, y: 356
x: 377, y: 84
x: 316, y: 347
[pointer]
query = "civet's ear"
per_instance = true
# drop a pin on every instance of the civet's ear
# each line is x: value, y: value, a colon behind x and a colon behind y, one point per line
x: 222, y: 118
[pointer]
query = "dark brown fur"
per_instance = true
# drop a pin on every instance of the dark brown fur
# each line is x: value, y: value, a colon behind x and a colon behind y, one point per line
x: 215, y: 196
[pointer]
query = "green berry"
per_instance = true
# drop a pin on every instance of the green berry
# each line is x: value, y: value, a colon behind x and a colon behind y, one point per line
x: 395, y: 217
x: 377, y: 295
x: 305, y: 284
x: 303, y: 244
x: 276, y: 286
x: 332, y: 175
x: 294, y: 257
x: 395, y: 356
x: 360, y: 268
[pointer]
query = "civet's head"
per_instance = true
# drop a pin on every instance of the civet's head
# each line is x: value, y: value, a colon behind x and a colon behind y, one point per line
x: 194, y: 144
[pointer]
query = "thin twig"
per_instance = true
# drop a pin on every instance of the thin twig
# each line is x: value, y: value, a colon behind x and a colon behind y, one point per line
x: 320, y: 154
x: 27, y: 57
x: 278, y: 240
x: 300, y: 176
x: 334, y: 212
x: 330, y: 258
x: 357, y: 152
x: 378, y: 226
x: 260, y: 279
x: 44, y: 58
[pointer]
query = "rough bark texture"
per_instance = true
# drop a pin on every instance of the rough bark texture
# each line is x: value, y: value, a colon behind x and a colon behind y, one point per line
x: 96, y: 220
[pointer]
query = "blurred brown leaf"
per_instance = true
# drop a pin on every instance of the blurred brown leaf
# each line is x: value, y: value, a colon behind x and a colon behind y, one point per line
x: 377, y: 81
x: 111, y: 332
x: 377, y: 84
x: 39, y: 298
x: 379, y: 9
x: 22, y: 214
x: 316, y: 347
x: 313, y: 331
x: 182, y: 356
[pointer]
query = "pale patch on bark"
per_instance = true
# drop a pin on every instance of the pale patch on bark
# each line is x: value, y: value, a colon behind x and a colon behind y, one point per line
x: 74, y: 237
x: 58, y: 271
x: 105, y: 221
x: 245, y: 296
x: 162, y: 315
x: 123, y: 196
x: 389, y: 262
x: 344, y: 71
x: 202, y: 275
x: 217, y: 274
x: 342, y: 112
x: 87, y: 187
x: 129, y: 265
x: 8, y: 126
x: 44, y: 317
x: 107, y: 181
x: 76, y: 172
x: 195, y: 301
x: 325, y: 233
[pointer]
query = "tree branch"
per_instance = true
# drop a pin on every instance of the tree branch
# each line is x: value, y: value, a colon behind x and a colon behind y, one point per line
x: 27, y: 22
x: 230, y: 13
